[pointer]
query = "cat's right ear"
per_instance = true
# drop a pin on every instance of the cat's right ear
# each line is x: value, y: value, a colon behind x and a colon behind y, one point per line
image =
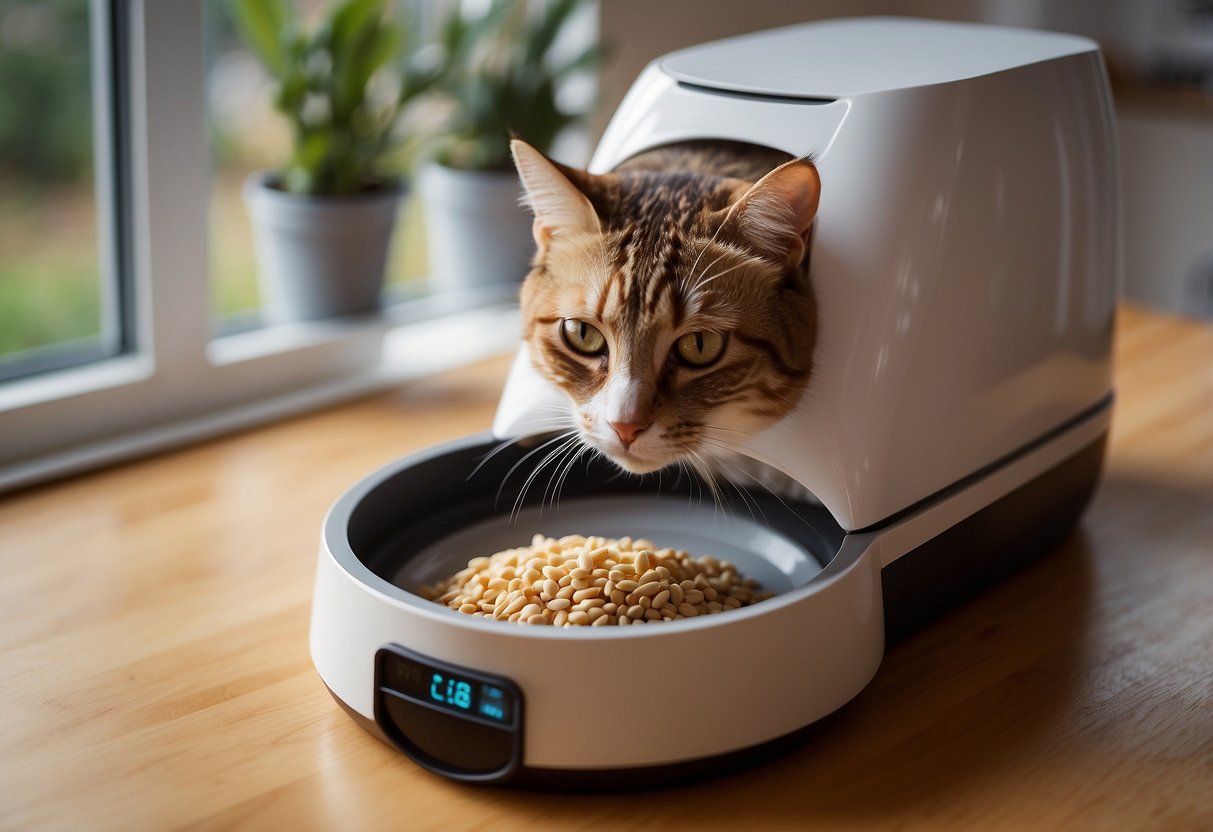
x: 560, y: 206
x: 776, y: 214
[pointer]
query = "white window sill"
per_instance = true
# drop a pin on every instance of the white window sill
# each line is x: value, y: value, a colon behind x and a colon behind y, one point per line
x: 406, y: 351
x: 281, y: 339
x: 77, y: 381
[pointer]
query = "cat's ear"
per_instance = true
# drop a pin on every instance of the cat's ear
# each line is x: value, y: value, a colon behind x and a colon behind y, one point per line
x: 560, y: 206
x: 776, y: 214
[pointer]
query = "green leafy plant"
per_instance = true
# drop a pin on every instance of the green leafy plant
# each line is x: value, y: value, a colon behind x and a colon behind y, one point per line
x: 341, y: 86
x: 501, y: 79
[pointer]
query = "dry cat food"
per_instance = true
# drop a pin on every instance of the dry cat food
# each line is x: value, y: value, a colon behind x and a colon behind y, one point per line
x: 594, y: 581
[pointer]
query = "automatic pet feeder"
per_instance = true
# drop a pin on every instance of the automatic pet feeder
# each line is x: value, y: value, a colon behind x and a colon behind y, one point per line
x: 965, y: 260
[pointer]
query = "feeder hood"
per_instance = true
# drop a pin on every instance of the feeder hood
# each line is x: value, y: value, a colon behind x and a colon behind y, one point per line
x: 964, y: 257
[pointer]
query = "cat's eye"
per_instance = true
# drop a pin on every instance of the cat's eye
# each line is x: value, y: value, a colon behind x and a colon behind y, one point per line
x: 699, y: 349
x: 583, y: 338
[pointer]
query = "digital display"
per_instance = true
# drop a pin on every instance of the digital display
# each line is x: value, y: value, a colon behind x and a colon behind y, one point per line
x: 452, y: 691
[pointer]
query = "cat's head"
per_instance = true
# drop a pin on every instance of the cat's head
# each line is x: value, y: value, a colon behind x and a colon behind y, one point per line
x: 673, y: 308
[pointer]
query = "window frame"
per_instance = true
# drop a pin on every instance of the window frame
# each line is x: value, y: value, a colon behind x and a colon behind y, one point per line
x: 174, y: 379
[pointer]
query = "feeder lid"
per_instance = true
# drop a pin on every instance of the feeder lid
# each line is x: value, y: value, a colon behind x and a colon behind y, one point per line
x: 852, y: 56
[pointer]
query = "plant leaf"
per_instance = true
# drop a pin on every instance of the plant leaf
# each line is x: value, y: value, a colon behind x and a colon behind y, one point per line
x: 307, y: 171
x: 349, y: 21
x: 379, y: 46
x: 264, y: 25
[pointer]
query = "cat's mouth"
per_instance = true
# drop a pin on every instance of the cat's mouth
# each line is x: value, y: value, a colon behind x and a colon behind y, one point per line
x: 634, y: 463
x: 649, y: 452
x: 635, y: 460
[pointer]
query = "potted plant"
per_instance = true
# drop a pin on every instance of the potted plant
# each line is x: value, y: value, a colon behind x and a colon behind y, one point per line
x: 323, y: 222
x: 500, y: 79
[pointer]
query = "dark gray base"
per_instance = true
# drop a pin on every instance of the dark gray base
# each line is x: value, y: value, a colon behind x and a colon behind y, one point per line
x: 989, y: 546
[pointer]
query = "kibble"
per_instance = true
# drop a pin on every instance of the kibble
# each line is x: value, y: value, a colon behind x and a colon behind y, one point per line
x: 578, y: 581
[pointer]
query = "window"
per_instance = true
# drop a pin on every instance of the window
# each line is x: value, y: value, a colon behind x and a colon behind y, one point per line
x: 156, y: 374
x: 59, y: 297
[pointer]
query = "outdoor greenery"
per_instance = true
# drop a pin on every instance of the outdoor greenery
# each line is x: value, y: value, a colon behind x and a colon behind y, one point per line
x: 45, y: 103
x: 49, y: 285
x: 47, y: 300
x: 501, y: 78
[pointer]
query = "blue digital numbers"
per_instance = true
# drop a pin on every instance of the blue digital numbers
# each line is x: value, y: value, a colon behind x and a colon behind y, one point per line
x: 451, y: 691
x: 492, y: 711
x: 478, y: 699
x: 493, y: 703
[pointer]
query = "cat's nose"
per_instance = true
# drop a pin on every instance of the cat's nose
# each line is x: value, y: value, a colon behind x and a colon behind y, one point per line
x: 628, y: 431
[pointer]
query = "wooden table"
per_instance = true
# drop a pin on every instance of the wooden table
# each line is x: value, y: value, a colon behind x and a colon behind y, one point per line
x: 154, y: 670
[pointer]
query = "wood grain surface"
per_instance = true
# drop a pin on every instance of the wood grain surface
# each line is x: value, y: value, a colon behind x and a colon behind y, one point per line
x: 154, y: 671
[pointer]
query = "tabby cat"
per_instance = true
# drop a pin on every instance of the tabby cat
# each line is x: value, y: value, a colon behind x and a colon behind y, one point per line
x: 670, y: 299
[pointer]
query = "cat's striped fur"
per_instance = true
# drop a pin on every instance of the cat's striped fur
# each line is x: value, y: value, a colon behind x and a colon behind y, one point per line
x: 677, y: 252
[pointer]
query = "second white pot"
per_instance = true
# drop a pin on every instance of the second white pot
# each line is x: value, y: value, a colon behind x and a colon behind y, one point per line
x: 320, y: 257
x: 478, y: 234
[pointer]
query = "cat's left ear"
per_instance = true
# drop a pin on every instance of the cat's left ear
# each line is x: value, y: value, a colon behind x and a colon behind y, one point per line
x: 560, y: 206
x: 776, y: 214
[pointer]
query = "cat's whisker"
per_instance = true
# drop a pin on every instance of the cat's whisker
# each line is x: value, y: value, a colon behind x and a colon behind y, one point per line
x: 498, y: 449
x: 684, y: 467
x: 619, y: 472
x: 709, y: 477
x: 682, y: 471
x: 698, y: 485
x: 757, y: 481
x: 701, y: 477
x: 559, y: 470
x: 551, y: 490
x: 721, y: 442
x: 750, y: 434
x: 695, y: 265
x: 557, y: 457
x: 551, y: 455
x: 698, y: 287
x: 697, y: 277
x: 556, y: 425
x: 518, y: 502
x: 585, y: 452
x: 746, y: 498
x: 558, y: 438
x: 581, y: 451
x: 552, y: 440
x: 724, y: 502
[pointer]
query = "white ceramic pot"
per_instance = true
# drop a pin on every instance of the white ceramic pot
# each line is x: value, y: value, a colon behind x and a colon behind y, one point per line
x: 319, y: 257
x: 477, y: 232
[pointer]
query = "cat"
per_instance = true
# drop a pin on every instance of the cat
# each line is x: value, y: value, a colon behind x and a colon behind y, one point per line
x: 670, y: 299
